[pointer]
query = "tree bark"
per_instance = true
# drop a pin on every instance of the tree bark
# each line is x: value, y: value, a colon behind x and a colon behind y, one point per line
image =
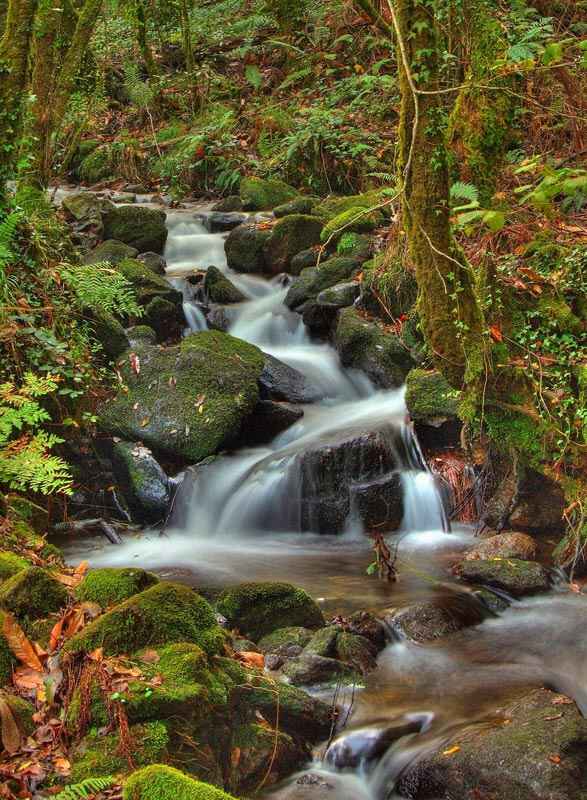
x: 143, y: 38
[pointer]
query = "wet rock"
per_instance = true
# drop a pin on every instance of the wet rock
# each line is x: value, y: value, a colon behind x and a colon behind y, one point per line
x: 365, y: 624
x: 268, y: 419
x: 340, y: 295
x: 245, y: 248
x: 111, y: 252
x: 526, y: 501
x: 258, y: 609
x: 364, y: 345
x: 259, y: 194
x: 109, y: 332
x: 154, y: 262
x: 300, y: 205
x: 504, y: 545
x: 186, y: 401
x: 513, y: 576
x: 356, y: 651
x: 318, y: 319
x: 138, y: 226
x: 261, y: 749
x: 141, y: 334
x: 220, y: 289
x: 143, y: 482
x: 323, y: 642
x: 379, y: 502
x: 229, y: 204
x: 434, y: 619
x: 313, y: 280
x: 323, y: 786
x: 147, y: 285
x: 279, y: 381
x: 291, y: 235
x: 307, y: 258
x: 284, y: 637
x: 539, y: 755
x: 354, y: 748
x: 355, y: 220
x: 310, y: 669
x: 165, y: 318
x: 87, y: 209
x: 219, y: 222
x: 218, y: 317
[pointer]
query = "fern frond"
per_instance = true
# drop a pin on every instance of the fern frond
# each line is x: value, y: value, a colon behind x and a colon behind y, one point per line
x: 101, y: 287
x: 85, y: 789
x: 464, y: 191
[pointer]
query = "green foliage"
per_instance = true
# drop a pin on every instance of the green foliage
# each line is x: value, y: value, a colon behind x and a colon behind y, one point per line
x: 85, y: 789
x: 140, y: 92
x: 26, y: 462
x: 103, y: 288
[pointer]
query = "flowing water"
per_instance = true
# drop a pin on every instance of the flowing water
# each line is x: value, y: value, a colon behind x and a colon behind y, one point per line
x: 239, y: 519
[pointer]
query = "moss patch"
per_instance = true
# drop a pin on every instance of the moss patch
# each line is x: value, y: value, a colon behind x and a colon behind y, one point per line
x: 258, y: 194
x: 429, y: 397
x: 333, y: 206
x: 285, y: 636
x: 313, y: 280
x: 32, y: 593
x: 140, y: 227
x: 109, y: 586
x: 147, y: 284
x: 355, y: 220
x: 159, y: 782
x: 290, y: 236
x: 219, y: 289
x: 10, y: 564
x: 165, y: 613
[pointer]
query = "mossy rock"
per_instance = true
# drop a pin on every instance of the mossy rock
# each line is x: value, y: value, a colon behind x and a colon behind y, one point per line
x: 355, y: 220
x: 285, y: 636
x: 84, y: 149
x: 429, y: 398
x: 140, y: 227
x: 87, y: 208
x: 109, y: 332
x: 22, y: 712
x: 388, y: 288
x: 141, y: 334
x: 32, y: 593
x: 514, y: 576
x: 160, y: 782
x: 163, y: 614
x: 310, y: 669
x: 97, y: 166
x: 111, y: 252
x: 334, y: 206
x: 220, y: 289
x: 341, y: 295
x: 290, y: 236
x: 99, y: 756
x: 354, y: 245
x: 559, y: 314
x: 144, y: 484
x: 229, y: 204
x: 258, y: 609
x: 323, y: 642
x: 365, y: 345
x: 111, y: 585
x: 300, y: 205
x: 188, y: 401
x: 7, y: 659
x: 166, y: 318
x: 147, y: 284
x: 259, y: 194
x: 313, y: 280
x: 261, y: 751
x: 10, y: 564
x: 356, y: 651
x: 245, y: 248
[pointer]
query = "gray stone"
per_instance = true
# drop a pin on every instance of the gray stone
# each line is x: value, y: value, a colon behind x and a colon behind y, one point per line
x: 142, y: 481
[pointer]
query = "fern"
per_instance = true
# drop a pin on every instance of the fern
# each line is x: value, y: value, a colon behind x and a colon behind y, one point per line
x: 100, y: 287
x: 85, y: 789
x: 139, y: 92
x: 8, y: 228
x: 464, y: 191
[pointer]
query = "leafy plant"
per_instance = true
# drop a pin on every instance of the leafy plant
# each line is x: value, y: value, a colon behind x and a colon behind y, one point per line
x: 85, y: 789
x: 471, y: 213
x: 101, y: 287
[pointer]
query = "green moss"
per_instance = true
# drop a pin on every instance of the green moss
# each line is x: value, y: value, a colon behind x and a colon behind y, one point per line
x: 160, y: 408
x: 313, y: 280
x: 333, y: 206
x: 285, y: 636
x: 354, y: 245
x: 138, y: 226
x: 559, y: 314
x: 513, y: 575
x: 355, y: 220
x: 158, y: 782
x: 219, y: 289
x: 165, y: 613
x: 323, y: 642
x: 10, y: 564
x: 300, y: 205
x: 429, y: 398
x: 22, y: 711
x: 109, y: 586
x: 112, y: 252
x: 97, y: 166
x: 512, y: 432
x: 257, y: 609
x: 258, y: 194
x: 98, y: 756
x: 245, y: 248
x: 109, y: 332
x: 389, y: 289
x: 290, y: 236
x: 147, y: 284
x: 32, y: 593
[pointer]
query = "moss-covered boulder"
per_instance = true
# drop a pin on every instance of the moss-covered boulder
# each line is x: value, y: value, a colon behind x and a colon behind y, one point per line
x: 356, y: 651
x: 299, y: 205
x: 155, y: 262
x: 229, y: 204
x: 259, y: 194
x: 110, y: 252
x: 99, y: 755
x: 187, y: 401
x: 262, y: 750
x: 110, y: 585
x: 147, y: 284
x: 245, y: 247
x: 430, y: 399
x: 165, y: 318
x: 323, y: 642
x: 285, y: 637
x: 388, y: 289
x: 305, y: 259
x: 355, y: 220
x: 291, y: 235
x: 10, y: 564
x: 7, y: 659
x: 310, y: 669
x: 144, y: 484
x: 365, y: 345
x: 98, y: 165
x: 165, y: 613
x: 109, y: 332
x: 313, y: 280
x: 340, y: 295
x: 514, y: 576
x: 354, y: 245
x: 140, y: 227
x: 32, y: 593
x: 258, y: 609
x: 334, y: 206
x: 508, y: 544
x: 220, y: 289
x: 160, y: 782
x: 86, y: 209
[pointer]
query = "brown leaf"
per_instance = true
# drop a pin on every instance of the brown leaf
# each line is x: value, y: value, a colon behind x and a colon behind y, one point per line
x: 495, y: 333
x: 20, y: 644
x: 11, y: 738
x: 451, y: 751
x: 29, y: 679
x: 56, y: 632
x: 556, y: 759
x: 562, y: 700
x: 135, y: 363
x: 150, y: 657
x: 97, y: 654
x: 252, y: 659
x: 62, y: 766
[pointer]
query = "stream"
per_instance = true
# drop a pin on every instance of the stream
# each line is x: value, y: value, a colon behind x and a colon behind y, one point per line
x: 240, y: 519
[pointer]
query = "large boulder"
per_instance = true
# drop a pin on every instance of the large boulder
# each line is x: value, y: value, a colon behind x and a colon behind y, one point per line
x: 365, y: 345
x: 220, y: 289
x: 514, y: 576
x: 279, y: 381
x: 110, y: 252
x: 313, y: 280
x: 147, y: 284
x: 245, y: 248
x: 32, y: 593
x: 505, y: 545
x: 144, y: 485
x: 537, y: 753
x: 108, y: 331
x: 257, y: 609
x: 86, y: 207
x: 187, y: 401
x: 291, y: 235
x: 299, y: 205
x: 140, y: 227
x: 165, y: 317
x: 110, y: 585
x: 355, y: 220
x: 259, y: 194
x: 158, y: 781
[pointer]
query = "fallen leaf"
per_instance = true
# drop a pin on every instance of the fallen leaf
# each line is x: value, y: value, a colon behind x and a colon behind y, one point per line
x: 62, y: 765
x: 10, y: 734
x: 252, y: 659
x: 29, y: 679
x: 20, y: 644
x: 555, y: 716
x: 495, y: 333
x: 451, y: 751
x: 562, y: 700
x: 555, y: 759
x: 135, y: 363
x: 150, y: 657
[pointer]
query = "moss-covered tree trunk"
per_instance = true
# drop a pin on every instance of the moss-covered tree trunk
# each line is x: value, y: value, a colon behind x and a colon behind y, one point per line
x: 451, y: 316
x: 60, y: 48
x: 140, y: 19
x: 14, y: 58
x: 186, y: 33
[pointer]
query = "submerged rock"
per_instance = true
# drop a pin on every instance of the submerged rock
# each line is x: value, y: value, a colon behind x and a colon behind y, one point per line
x: 514, y: 576
x: 186, y: 401
x: 434, y: 619
x: 259, y: 194
x: 138, y: 226
x: 291, y: 235
x: 258, y: 609
x: 245, y: 247
x: 144, y: 484
x: 269, y: 419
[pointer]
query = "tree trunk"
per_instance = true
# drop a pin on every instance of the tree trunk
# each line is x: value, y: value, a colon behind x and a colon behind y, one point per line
x: 186, y: 33
x: 450, y: 313
x: 14, y: 57
x: 143, y: 38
